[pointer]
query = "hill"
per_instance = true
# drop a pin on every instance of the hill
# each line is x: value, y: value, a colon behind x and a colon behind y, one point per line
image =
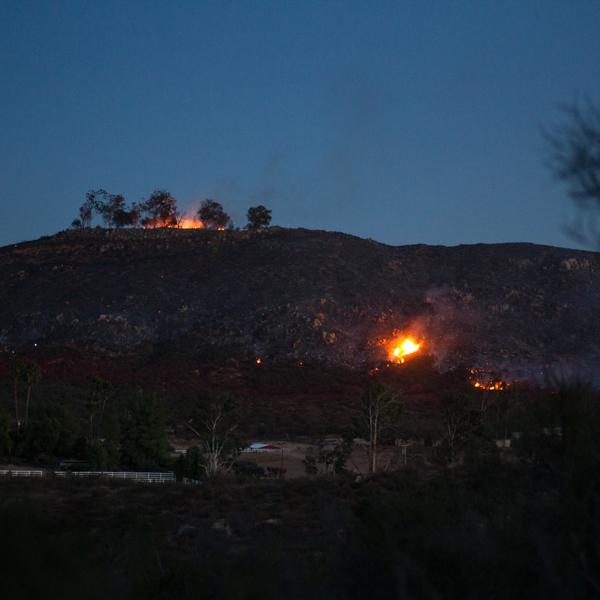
x: 298, y: 295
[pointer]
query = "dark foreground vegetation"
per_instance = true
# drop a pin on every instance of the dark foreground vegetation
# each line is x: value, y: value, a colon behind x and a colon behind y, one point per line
x: 484, y: 530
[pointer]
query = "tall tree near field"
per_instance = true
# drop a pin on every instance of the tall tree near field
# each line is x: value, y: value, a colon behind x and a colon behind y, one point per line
x: 573, y: 410
x: 259, y: 217
x: 52, y: 430
x: 103, y: 452
x: 32, y: 376
x: 190, y: 464
x: 16, y: 376
x: 143, y: 432
x: 462, y: 419
x: 380, y: 411
x: 5, y: 439
x: 96, y: 405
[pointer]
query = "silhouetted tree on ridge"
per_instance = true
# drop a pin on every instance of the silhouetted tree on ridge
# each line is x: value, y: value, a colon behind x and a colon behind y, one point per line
x: 111, y: 207
x: 160, y: 210
x: 259, y: 217
x: 213, y: 216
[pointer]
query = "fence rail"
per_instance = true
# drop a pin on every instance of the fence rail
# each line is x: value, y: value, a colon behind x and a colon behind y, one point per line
x: 147, y: 477
x: 21, y: 473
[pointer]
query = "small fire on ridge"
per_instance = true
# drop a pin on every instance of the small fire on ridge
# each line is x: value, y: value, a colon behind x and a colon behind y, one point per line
x: 190, y: 222
x: 186, y: 220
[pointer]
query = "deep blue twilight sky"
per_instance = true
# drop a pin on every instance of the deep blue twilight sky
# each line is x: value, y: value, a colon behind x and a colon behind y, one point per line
x: 409, y: 121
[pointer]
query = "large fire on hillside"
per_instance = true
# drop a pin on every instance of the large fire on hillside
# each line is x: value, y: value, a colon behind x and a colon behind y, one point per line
x: 403, y: 347
x: 399, y: 347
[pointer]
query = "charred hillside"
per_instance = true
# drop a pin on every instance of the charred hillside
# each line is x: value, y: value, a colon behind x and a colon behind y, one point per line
x: 299, y: 295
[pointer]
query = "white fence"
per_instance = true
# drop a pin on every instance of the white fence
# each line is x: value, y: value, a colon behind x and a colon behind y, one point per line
x: 21, y: 473
x: 144, y: 477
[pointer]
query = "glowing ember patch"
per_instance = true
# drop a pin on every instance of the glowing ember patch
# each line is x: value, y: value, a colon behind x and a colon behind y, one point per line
x: 489, y: 384
x: 402, y: 348
x: 494, y: 386
x: 259, y: 361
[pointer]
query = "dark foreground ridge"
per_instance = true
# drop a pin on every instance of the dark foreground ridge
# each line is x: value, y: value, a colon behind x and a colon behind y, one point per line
x: 301, y: 295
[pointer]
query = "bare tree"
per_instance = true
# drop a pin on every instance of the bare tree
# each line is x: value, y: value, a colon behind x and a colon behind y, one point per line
x: 86, y: 210
x: 216, y: 426
x: 112, y: 208
x: 574, y: 157
x: 380, y: 411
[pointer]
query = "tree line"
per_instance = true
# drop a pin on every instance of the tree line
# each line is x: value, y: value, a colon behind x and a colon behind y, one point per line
x: 109, y: 428
x: 102, y: 432
x: 159, y: 210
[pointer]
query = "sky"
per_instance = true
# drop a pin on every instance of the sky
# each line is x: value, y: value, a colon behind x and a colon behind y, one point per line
x: 406, y: 122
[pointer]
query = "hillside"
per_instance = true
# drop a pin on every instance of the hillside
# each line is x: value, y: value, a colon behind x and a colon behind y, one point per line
x: 298, y: 295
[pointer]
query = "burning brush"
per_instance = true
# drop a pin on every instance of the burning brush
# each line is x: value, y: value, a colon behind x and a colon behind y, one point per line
x: 403, y: 347
x: 488, y: 383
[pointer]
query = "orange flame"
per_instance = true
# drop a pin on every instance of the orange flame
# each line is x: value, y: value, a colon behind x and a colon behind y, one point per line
x: 183, y: 223
x: 403, y: 347
x: 187, y: 222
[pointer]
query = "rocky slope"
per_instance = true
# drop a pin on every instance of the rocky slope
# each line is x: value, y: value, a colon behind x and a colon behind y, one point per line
x: 299, y: 295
